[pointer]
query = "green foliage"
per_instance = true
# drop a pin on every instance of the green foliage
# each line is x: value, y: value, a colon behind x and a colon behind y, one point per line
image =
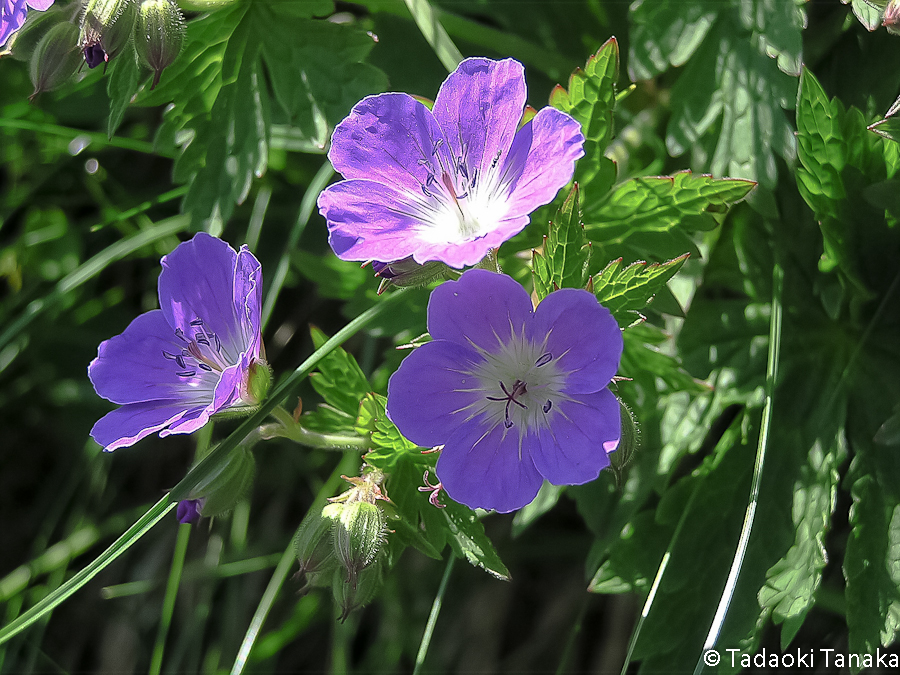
x: 563, y: 261
x: 651, y: 218
x: 221, y: 86
x: 626, y: 291
x: 740, y: 61
x: 591, y: 99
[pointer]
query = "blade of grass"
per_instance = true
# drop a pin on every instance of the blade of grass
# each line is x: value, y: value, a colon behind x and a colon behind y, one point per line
x: 433, y: 616
x: 318, y: 183
x: 168, y: 608
x: 750, y: 514
x: 96, y: 138
x: 347, y: 465
x: 427, y: 21
x: 87, y: 270
x: 197, y: 474
x: 257, y: 216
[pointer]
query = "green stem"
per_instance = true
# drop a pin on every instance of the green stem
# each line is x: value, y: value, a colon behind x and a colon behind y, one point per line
x: 288, y: 428
x: 168, y: 608
x: 281, y: 571
x: 750, y: 515
x: 433, y: 32
x: 433, y: 616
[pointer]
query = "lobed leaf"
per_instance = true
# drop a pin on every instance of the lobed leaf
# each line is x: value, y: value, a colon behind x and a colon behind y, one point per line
x: 626, y: 291
x: 564, y: 259
x: 591, y: 99
x: 339, y: 379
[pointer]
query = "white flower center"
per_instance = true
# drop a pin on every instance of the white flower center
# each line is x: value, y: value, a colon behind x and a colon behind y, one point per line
x: 457, y: 204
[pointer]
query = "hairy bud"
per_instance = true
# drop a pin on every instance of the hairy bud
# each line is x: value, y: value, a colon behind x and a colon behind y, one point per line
x: 106, y: 27
x: 629, y: 442
x: 408, y: 272
x: 228, y: 485
x: 358, y: 535
x: 158, y: 35
x: 55, y: 59
x: 25, y: 40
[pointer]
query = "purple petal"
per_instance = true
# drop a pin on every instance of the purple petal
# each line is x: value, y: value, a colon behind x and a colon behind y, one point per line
x: 127, y: 425
x: 12, y: 16
x: 480, y: 308
x: 40, y: 5
x: 581, y: 335
x: 188, y: 511
x: 390, y: 139
x: 488, y: 468
x: 479, y: 107
x: 247, y: 296
x: 431, y: 393
x: 132, y: 367
x: 582, y: 432
x: 371, y: 221
x: 543, y: 155
x: 196, y: 283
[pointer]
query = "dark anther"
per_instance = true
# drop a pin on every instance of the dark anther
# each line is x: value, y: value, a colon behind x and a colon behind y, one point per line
x: 208, y: 370
x: 463, y: 195
x: 518, y: 389
x: 426, y: 192
x: 437, y: 144
x: 197, y: 322
x: 187, y: 373
x: 430, y: 180
x: 495, y: 160
x: 461, y: 167
x: 202, y: 339
x: 218, y: 342
x: 180, y: 334
x: 548, y: 405
x: 544, y: 360
x: 169, y: 356
x: 180, y: 361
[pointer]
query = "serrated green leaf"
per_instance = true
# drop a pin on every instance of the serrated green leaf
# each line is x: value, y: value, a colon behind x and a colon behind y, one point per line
x: 869, y: 12
x: 871, y: 565
x: 777, y: 26
x: 122, y: 85
x: 388, y: 444
x: 468, y: 540
x: 666, y: 32
x: 564, y: 259
x: 591, y: 99
x: 338, y: 379
x: 664, y: 207
x: 317, y: 72
x: 730, y: 87
x: 791, y: 583
x: 626, y: 291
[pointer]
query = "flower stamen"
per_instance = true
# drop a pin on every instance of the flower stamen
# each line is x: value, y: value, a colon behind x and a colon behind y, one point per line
x: 518, y: 389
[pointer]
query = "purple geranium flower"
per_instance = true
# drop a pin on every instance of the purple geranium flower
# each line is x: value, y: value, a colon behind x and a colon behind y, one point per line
x: 450, y: 183
x: 12, y: 15
x: 200, y: 354
x: 514, y: 395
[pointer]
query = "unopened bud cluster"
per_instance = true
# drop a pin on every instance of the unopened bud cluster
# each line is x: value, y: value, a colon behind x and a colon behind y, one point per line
x: 58, y: 43
x: 342, y: 545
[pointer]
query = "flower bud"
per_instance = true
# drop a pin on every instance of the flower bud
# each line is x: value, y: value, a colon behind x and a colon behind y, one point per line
x: 106, y: 27
x: 629, y: 442
x: 158, y: 35
x: 55, y: 59
x: 353, y: 597
x: 25, y: 40
x: 358, y: 534
x: 312, y: 543
x: 228, y: 485
x: 408, y: 272
x: 256, y: 384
